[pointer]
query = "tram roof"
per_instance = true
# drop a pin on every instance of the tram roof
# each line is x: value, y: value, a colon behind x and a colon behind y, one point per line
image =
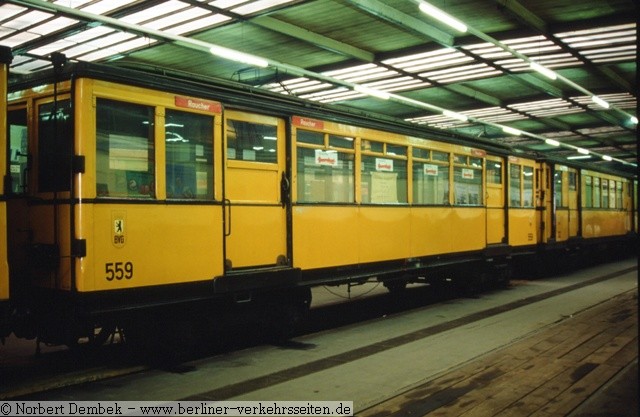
x: 380, y: 57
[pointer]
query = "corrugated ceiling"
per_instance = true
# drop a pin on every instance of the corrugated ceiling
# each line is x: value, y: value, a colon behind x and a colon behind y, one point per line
x: 320, y: 50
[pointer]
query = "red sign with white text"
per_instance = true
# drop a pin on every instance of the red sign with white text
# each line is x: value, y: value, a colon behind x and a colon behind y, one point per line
x: 197, y: 104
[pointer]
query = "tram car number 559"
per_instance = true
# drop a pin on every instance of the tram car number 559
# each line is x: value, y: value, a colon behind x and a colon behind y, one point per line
x: 118, y: 270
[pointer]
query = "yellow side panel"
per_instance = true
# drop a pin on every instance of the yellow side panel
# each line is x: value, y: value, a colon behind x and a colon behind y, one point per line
x: 600, y: 223
x: 522, y: 227
x: 495, y: 225
x: 574, y: 223
x: 241, y: 183
x: 562, y: 225
x: 325, y: 236
x: 467, y: 229
x: 4, y: 264
x: 257, y: 235
x: 140, y: 245
x: 384, y: 233
x: 430, y: 230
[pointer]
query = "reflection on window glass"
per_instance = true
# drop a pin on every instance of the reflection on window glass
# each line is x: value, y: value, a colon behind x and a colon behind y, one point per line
x: 494, y: 172
x: 55, y: 146
x: 596, y: 192
x: 372, y: 146
x: 605, y: 194
x: 341, y: 142
x: 557, y: 188
x: 527, y: 186
x: 468, y: 186
x: 313, y: 138
x: 514, y: 185
x: 125, y: 149
x: 384, y: 180
x: 189, y: 143
x: 17, y: 123
x: 588, y: 191
x: 254, y: 142
x: 572, y: 181
x: 619, y: 195
x: 467, y: 181
x: 430, y: 183
x: 325, y: 176
x: 612, y: 194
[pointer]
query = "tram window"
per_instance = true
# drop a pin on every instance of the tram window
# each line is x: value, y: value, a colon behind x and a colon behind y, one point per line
x: 440, y: 156
x: 572, y: 181
x: 421, y: 153
x: 189, y: 148
x: 55, y: 145
x: 596, y: 192
x: 612, y: 194
x: 619, y: 195
x: 605, y: 194
x: 557, y: 188
x: 494, y: 172
x: 372, y: 146
x: 325, y: 176
x: 341, y: 142
x: 18, y: 150
x: 430, y: 183
x: 312, y: 138
x: 254, y: 142
x: 125, y: 149
x: 588, y: 191
x: 527, y: 186
x: 514, y: 186
x: 384, y: 180
x: 396, y: 150
x: 467, y: 186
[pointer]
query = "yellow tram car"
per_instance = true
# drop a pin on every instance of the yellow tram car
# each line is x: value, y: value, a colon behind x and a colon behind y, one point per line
x: 135, y: 198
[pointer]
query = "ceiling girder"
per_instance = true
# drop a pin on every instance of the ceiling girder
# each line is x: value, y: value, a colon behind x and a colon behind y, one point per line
x: 313, y: 38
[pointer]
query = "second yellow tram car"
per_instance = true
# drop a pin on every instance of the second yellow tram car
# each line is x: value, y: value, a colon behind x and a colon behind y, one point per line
x: 136, y: 198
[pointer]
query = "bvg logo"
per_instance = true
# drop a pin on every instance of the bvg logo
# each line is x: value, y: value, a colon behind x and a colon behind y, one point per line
x: 118, y: 238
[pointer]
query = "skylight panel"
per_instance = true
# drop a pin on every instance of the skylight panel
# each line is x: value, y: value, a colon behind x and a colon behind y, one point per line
x: 105, y: 6
x: 461, y: 59
x: 223, y: 4
x: 27, y: 20
x: 7, y: 11
x: 33, y: 65
x: 259, y: 5
x: 176, y: 18
x: 403, y: 61
x: 92, y: 33
x: 48, y: 49
x: 151, y: 13
x: 81, y: 49
x: 198, y: 24
x: 53, y: 26
x: 19, y: 38
x: 72, y: 3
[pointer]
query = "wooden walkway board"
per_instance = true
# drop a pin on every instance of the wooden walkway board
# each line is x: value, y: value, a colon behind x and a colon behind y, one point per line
x: 548, y: 374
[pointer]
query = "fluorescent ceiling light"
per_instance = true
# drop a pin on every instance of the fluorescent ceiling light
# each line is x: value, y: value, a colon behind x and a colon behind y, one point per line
x: 607, y: 158
x: 455, y: 115
x: 552, y: 142
x: 372, y: 92
x: 579, y: 157
x: 600, y: 102
x: 238, y: 56
x: 634, y: 120
x: 583, y: 151
x: 442, y: 16
x: 543, y: 70
x: 511, y: 131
